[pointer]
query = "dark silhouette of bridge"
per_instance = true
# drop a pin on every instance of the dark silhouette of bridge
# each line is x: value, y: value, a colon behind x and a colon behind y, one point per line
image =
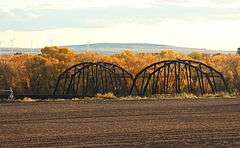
x: 165, y: 77
x: 89, y: 78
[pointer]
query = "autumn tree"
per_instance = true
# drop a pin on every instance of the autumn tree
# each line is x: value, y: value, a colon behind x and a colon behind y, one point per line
x: 38, y: 73
x: 59, y: 53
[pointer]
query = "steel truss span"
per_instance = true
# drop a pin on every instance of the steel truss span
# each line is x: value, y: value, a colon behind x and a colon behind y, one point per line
x: 89, y: 78
x: 165, y: 77
x: 178, y: 76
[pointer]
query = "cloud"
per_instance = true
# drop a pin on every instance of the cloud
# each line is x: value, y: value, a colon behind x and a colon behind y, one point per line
x: 75, y: 18
x: 179, y: 33
x: 73, y: 4
x: 83, y: 4
x: 216, y: 4
x: 101, y: 17
x: 176, y: 22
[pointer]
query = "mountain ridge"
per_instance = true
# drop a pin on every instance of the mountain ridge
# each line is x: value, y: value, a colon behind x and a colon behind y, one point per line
x: 114, y: 48
x: 140, y: 47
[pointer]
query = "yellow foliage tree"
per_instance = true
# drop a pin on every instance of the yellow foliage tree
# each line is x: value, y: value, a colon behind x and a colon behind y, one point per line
x: 39, y: 73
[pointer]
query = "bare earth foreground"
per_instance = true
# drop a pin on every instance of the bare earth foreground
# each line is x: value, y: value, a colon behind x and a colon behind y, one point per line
x: 211, y: 122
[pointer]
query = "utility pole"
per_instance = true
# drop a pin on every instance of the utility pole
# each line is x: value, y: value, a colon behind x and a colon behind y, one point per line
x: 12, y: 44
x: 31, y: 45
x: 88, y: 46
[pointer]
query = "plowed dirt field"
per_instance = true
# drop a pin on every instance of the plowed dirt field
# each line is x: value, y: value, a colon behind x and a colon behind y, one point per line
x: 177, y: 123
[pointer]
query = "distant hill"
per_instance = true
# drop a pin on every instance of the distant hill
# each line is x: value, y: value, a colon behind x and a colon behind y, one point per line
x: 113, y: 48
x: 6, y: 50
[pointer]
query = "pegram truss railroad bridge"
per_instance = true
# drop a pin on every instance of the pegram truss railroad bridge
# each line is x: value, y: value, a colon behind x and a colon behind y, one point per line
x: 165, y: 77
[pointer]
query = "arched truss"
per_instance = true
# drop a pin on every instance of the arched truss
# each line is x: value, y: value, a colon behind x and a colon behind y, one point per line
x: 88, y: 78
x: 177, y: 76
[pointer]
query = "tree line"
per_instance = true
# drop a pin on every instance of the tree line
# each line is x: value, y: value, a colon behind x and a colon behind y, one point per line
x: 27, y: 73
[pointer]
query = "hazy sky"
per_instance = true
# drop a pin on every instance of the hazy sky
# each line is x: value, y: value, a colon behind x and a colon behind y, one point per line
x: 213, y: 24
